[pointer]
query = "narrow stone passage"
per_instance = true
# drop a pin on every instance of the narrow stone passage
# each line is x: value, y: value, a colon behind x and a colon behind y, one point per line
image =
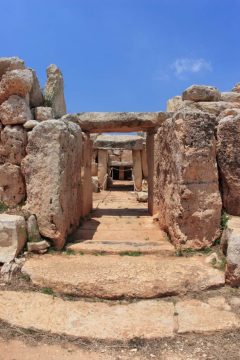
x: 120, y: 224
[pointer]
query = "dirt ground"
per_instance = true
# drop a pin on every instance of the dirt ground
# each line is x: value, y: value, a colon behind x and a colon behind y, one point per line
x: 17, y: 344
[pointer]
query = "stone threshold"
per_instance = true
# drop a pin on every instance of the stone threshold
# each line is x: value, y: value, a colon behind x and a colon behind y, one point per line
x: 145, y: 319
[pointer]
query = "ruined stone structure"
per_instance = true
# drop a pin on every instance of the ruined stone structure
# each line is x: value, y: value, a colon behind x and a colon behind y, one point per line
x: 191, y: 160
x: 119, y: 157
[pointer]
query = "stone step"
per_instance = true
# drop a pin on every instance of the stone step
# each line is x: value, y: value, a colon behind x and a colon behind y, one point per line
x: 145, y: 320
x: 120, y: 247
x: 116, y: 277
x: 119, y: 235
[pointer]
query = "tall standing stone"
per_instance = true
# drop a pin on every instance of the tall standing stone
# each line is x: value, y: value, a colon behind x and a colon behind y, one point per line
x: 54, y: 91
x: 228, y: 155
x: 137, y: 169
x: 52, y: 170
x: 102, y: 168
x: 188, y: 190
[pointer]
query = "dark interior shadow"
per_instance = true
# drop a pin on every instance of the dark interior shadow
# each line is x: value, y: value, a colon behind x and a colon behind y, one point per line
x: 116, y: 187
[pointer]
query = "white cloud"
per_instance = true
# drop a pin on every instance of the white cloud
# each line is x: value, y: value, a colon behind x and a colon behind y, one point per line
x: 184, y: 66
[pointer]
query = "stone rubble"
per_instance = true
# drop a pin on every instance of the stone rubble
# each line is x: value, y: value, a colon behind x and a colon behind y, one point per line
x: 13, y: 236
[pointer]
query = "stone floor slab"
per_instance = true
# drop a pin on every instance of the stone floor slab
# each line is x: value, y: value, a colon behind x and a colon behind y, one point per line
x: 114, y: 276
x: 92, y: 320
x: 197, y: 316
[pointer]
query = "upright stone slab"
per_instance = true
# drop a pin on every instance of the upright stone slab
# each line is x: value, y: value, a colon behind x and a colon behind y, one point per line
x: 144, y: 163
x: 231, y: 237
x: 189, y: 198
x: 86, y: 178
x: 12, y: 236
x: 53, y: 178
x: 137, y: 169
x: 102, y: 168
x: 228, y: 156
x: 54, y: 91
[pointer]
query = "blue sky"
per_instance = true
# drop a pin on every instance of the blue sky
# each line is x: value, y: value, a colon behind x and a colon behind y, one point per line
x: 125, y: 55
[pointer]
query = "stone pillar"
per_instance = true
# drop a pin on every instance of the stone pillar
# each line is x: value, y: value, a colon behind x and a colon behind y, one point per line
x: 144, y: 163
x: 121, y: 173
x: 53, y: 178
x: 86, y: 178
x: 137, y: 169
x: 188, y: 189
x: 152, y: 183
x: 102, y: 168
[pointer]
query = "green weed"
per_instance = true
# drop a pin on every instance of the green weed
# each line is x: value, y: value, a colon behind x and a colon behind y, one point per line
x: 130, y: 253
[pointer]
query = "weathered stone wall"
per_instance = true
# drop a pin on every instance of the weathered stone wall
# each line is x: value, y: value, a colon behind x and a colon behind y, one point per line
x: 188, y: 190
x: 53, y: 178
x: 41, y: 158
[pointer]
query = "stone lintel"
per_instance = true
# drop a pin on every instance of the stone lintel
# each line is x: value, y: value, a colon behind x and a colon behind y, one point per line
x: 99, y: 122
x: 126, y: 142
x: 121, y: 163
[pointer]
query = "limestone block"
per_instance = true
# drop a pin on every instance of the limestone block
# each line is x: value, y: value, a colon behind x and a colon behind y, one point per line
x: 32, y: 229
x: 201, y: 93
x: 12, y: 188
x: 228, y: 157
x: 14, y: 111
x: 95, y: 188
x: 15, y: 82
x: 10, y: 63
x: 102, y: 168
x: 231, y: 236
x: 188, y: 191
x: 12, y: 236
x: 53, y: 182
x: 142, y: 196
x: 176, y: 103
x: 137, y: 169
x: 42, y: 113
x: 35, y: 96
x: 130, y: 142
x: 40, y: 247
x: 54, y: 91
x: 230, y: 96
x: 13, y: 144
x: 212, y: 107
x: 30, y: 124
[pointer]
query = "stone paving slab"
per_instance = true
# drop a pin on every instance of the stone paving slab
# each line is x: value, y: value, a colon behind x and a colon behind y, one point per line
x: 114, y: 276
x: 197, y: 316
x: 148, y: 319
x: 120, y: 247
